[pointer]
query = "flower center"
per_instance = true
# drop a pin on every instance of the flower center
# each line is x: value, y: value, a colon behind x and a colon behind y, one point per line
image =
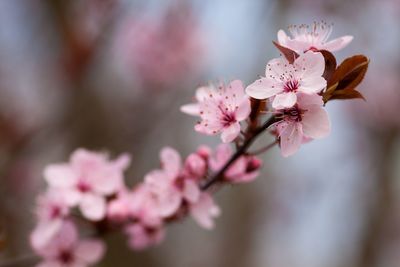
x: 293, y: 114
x: 291, y: 86
x: 66, y: 257
x: 55, y: 212
x: 83, y: 186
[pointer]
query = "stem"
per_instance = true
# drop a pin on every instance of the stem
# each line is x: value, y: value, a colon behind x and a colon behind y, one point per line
x: 239, y: 152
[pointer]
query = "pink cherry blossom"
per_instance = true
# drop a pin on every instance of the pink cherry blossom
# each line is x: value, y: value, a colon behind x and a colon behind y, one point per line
x: 204, y: 210
x: 142, y: 237
x: 313, y: 38
x: 51, y: 210
x: 169, y: 184
x: 87, y: 179
x: 221, y: 110
x: 66, y: 250
x: 244, y: 169
x: 283, y: 80
x: 306, y: 119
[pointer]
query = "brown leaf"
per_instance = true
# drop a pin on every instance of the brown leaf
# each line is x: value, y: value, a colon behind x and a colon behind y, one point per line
x: 350, y: 73
x: 346, y: 94
x: 330, y: 64
x: 288, y: 53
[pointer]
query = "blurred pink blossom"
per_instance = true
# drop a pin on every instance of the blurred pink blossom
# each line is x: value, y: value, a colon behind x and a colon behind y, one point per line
x: 66, y: 250
x: 51, y: 210
x: 204, y: 210
x: 142, y: 236
x: 87, y: 179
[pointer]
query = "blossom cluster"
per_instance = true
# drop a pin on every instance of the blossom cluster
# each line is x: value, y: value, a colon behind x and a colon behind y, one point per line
x: 91, y: 188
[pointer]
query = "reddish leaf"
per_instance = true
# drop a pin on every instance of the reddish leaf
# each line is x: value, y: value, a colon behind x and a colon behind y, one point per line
x: 330, y: 64
x: 346, y: 94
x: 288, y: 53
x: 350, y: 73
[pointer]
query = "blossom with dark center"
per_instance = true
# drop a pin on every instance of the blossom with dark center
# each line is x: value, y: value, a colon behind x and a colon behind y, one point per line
x: 284, y: 80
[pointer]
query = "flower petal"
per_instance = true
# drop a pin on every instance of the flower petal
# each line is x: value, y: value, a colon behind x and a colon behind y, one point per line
x: 316, y: 122
x: 291, y: 136
x: 230, y: 133
x: 191, y: 109
x: 244, y: 109
x: 263, y: 89
x: 59, y: 175
x: 93, y: 207
x: 284, y: 100
x: 90, y: 251
x: 338, y: 43
x: 312, y: 85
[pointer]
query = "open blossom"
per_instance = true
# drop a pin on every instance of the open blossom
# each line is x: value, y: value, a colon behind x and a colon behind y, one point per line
x: 221, y: 110
x: 87, y: 179
x: 307, y: 119
x: 283, y: 80
x: 244, y: 169
x: 204, y: 211
x: 305, y: 38
x: 51, y: 210
x: 66, y: 250
x: 170, y: 185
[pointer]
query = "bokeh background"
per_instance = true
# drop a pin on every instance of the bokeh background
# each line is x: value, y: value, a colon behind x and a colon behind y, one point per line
x: 111, y: 75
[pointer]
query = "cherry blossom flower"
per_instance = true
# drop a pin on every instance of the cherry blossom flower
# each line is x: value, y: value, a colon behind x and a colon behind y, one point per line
x: 284, y: 80
x: 87, y: 179
x: 244, y: 169
x: 315, y: 38
x: 66, y: 250
x: 142, y: 237
x: 221, y: 110
x: 51, y: 210
x: 169, y: 184
x: 204, y: 210
x: 305, y: 119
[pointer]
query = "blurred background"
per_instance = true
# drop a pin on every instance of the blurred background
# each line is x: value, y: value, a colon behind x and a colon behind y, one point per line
x: 111, y: 75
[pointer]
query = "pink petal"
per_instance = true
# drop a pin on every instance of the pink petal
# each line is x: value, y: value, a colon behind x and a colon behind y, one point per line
x: 263, y: 89
x: 44, y: 233
x: 284, y: 100
x: 282, y: 37
x: 60, y: 175
x: 169, y: 202
x: 310, y: 64
x: 191, y: 109
x: 276, y: 68
x: 243, y: 110
x: 204, y: 211
x: 316, y: 122
x: 312, y: 85
x: 291, y: 136
x: 338, y: 43
x: 306, y: 100
x: 170, y: 160
x: 191, y: 191
x: 220, y: 157
x: 237, y: 169
x: 236, y: 88
x: 230, y: 133
x: 93, y: 207
x: 90, y: 251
